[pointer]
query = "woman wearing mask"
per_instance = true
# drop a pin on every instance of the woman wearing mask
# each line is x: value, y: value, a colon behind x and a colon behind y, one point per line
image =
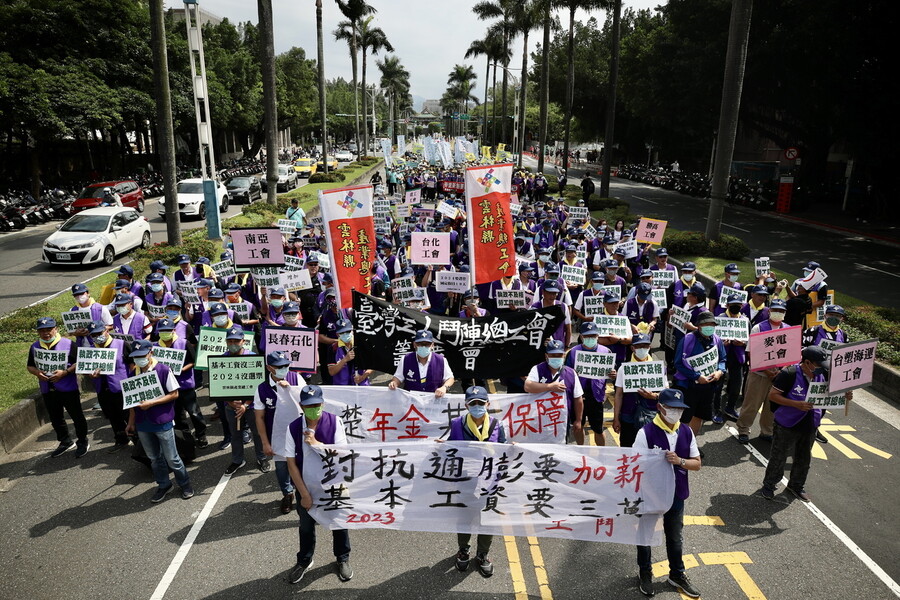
x: 552, y: 375
x: 699, y: 388
x: 341, y: 367
x: 476, y: 426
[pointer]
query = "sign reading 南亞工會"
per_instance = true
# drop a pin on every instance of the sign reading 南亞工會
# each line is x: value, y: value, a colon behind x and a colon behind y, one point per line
x: 257, y: 247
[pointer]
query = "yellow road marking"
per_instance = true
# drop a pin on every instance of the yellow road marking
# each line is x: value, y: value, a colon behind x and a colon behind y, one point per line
x: 838, y: 445
x: 515, y: 567
x: 855, y: 440
x: 703, y: 520
x: 661, y: 568
x: 818, y: 451
x: 540, y: 571
x: 734, y: 562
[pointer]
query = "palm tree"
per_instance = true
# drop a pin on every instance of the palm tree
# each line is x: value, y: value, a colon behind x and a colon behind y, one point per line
x: 491, y: 48
x: 354, y: 11
x: 527, y: 16
x: 321, y: 69
x: 502, y: 10
x: 732, y: 86
x: 374, y: 40
x: 395, y: 78
x: 544, y: 89
x: 462, y: 82
x: 573, y: 5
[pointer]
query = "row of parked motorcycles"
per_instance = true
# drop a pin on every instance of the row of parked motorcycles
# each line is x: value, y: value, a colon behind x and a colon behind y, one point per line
x: 741, y: 192
x: 19, y: 209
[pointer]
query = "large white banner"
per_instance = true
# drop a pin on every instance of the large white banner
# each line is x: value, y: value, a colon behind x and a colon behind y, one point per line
x: 599, y: 494
x: 377, y: 414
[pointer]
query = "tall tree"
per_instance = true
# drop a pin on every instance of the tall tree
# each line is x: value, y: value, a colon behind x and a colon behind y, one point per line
x: 165, y: 135
x: 735, y: 60
x: 267, y: 62
x: 321, y: 68
x: 545, y: 85
x: 611, y: 102
x: 395, y: 78
x: 491, y: 49
x: 374, y: 40
x: 354, y: 11
x: 502, y: 10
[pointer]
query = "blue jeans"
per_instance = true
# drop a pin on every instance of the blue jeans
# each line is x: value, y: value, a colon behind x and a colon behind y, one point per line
x: 284, y: 477
x: 160, y: 448
x: 237, y: 438
x: 673, y: 523
x: 340, y: 538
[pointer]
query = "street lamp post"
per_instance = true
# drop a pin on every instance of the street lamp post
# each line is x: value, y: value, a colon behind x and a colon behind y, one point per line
x: 519, y: 118
x: 204, y: 122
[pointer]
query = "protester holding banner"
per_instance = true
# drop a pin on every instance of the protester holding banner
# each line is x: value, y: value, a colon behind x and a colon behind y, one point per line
x: 52, y: 360
x: 829, y: 333
x: 680, y: 445
x: 187, y: 410
x: 241, y: 410
x: 662, y: 261
x: 698, y: 379
x: 341, y: 365
x: 796, y: 421
x: 550, y: 290
x: 596, y: 289
x: 155, y: 297
x: 152, y: 419
x: 423, y: 370
x: 476, y: 426
x: 265, y: 404
x: 313, y: 428
x: 617, y: 344
x: 108, y: 387
x: 612, y: 267
x: 730, y: 280
x: 594, y: 388
x: 552, y: 273
x: 551, y: 375
x: 97, y: 312
x: 758, y: 383
x: 470, y: 305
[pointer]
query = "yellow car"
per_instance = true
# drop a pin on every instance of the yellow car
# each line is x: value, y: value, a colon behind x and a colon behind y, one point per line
x: 332, y: 164
x: 304, y: 167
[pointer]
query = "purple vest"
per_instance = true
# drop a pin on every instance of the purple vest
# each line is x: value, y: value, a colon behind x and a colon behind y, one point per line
x: 838, y: 336
x: 69, y: 383
x: 637, y: 314
x: 718, y: 291
x: 767, y: 326
x: 690, y: 340
x: 161, y: 413
x: 761, y: 315
x: 458, y: 431
x: 136, y: 329
x: 788, y: 416
x: 96, y: 311
x: 113, y: 381
x: 567, y: 374
x: 434, y: 376
x: 598, y: 386
x: 345, y: 375
x: 325, y: 429
x: 679, y: 293
x: 656, y: 438
x: 269, y: 397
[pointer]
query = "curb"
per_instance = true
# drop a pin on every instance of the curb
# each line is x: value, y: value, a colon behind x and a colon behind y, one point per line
x: 885, y: 379
x: 314, y: 211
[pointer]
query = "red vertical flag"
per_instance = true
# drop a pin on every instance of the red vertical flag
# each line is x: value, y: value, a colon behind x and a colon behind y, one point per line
x: 492, y: 251
x: 347, y: 216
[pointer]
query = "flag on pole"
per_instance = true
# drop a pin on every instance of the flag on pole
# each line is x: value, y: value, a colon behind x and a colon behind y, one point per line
x: 491, y: 247
x: 348, y: 216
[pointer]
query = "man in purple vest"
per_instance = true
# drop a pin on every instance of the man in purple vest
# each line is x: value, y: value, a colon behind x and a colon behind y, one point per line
x: 758, y: 383
x: 423, y: 370
x: 796, y: 421
x: 129, y: 321
x: 108, y: 387
x: 152, y: 419
x: 59, y: 385
x: 98, y: 312
x: 313, y: 428
x: 729, y: 280
x: 755, y: 307
x: 735, y: 359
x: 265, y: 402
x: 827, y: 335
x: 699, y: 388
x: 594, y: 389
x: 666, y: 433
x: 551, y: 375
x: 627, y: 419
x: 187, y: 410
x: 240, y: 412
x: 341, y: 365
x: 476, y: 426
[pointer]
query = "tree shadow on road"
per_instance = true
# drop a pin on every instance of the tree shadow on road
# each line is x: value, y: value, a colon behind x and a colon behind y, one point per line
x: 747, y: 516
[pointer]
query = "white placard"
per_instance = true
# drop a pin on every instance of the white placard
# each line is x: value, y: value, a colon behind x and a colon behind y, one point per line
x: 403, y: 288
x: 613, y: 326
x: 447, y: 210
x: 50, y: 361
x: 127, y: 338
x: 663, y: 279
x: 679, y: 318
x: 705, y: 363
x: 572, y: 274
x: 452, y: 281
x: 265, y: 276
x: 287, y: 226
x: 91, y: 359
x: 819, y: 396
x: 189, y: 293
x: 729, y: 293
x: 593, y: 305
x: 292, y: 263
x: 761, y: 266
x: 579, y: 212
x: 294, y: 281
x: 73, y: 320
x: 594, y: 365
x: 510, y: 298
x: 223, y: 269
x: 154, y: 311
x: 171, y: 357
x: 659, y: 298
x: 733, y: 328
x: 240, y: 310
x: 650, y: 375
x: 627, y: 249
x: 139, y: 388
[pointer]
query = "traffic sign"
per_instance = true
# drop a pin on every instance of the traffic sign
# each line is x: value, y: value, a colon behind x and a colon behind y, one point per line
x: 791, y: 153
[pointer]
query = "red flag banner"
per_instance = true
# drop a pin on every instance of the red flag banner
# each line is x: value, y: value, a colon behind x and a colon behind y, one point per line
x: 347, y: 215
x: 491, y: 246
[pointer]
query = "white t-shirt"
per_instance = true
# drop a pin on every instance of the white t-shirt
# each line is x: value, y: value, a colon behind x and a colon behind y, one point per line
x: 641, y: 442
x: 577, y: 391
x: 340, y: 438
x: 423, y: 369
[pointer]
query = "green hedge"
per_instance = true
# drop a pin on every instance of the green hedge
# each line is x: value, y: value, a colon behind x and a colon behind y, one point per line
x: 330, y: 177
x: 688, y: 243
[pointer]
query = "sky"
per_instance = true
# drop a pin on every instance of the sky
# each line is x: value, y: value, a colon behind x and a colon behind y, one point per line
x: 429, y: 36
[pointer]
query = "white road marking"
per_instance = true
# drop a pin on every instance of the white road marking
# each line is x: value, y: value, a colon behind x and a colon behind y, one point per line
x: 644, y: 199
x: 182, y: 553
x: 738, y: 228
x: 868, y: 268
x: 866, y: 560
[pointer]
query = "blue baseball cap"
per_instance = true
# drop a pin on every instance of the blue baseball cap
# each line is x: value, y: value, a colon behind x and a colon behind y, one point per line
x: 218, y: 308
x: 671, y: 397
x: 550, y: 285
x: 158, y: 264
x: 662, y: 252
x: 140, y: 348
x: 174, y: 301
x: 554, y: 347
x: 343, y: 326
x: 277, y: 291
x: 216, y: 294
x: 125, y: 270
x: 202, y: 260
x: 688, y: 266
x: 610, y: 297
x: 155, y: 278
x: 732, y: 268
x: 121, y: 284
x: 759, y: 289
x: 640, y: 338
x: 311, y: 395
x: 476, y: 392
x: 96, y: 327
x: 183, y: 259
x: 290, y: 308
x: 552, y: 268
x: 697, y: 289
x: 277, y: 359
x: 589, y: 328
x: 644, y: 290
x: 203, y: 283
x: 122, y: 299
x: 423, y: 335
x: 526, y: 267
x: 812, y: 265
x: 165, y: 325
x: 232, y: 288
x: 834, y: 309
x: 79, y: 288
x: 778, y: 304
x: 598, y: 276
x: 45, y: 323
x: 471, y: 293
x: 235, y: 333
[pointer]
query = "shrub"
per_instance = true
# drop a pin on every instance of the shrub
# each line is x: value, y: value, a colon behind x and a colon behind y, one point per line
x: 331, y: 177
x: 595, y: 202
x: 729, y: 247
x: 194, y: 244
x: 694, y: 243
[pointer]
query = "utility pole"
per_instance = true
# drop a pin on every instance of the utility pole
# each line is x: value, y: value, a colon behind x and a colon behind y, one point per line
x: 321, y: 66
x: 735, y: 61
x: 192, y: 20
x: 165, y: 135
x: 611, y: 103
x: 270, y: 105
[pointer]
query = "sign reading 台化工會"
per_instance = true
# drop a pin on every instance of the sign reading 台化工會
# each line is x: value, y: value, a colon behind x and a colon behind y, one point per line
x: 429, y: 248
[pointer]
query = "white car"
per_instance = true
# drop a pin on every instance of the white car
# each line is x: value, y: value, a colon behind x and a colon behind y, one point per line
x: 287, y: 178
x: 343, y: 155
x: 97, y: 235
x: 191, y: 200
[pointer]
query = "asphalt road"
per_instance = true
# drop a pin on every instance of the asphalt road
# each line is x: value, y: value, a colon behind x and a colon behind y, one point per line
x: 85, y: 529
x: 857, y: 266
x: 24, y: 278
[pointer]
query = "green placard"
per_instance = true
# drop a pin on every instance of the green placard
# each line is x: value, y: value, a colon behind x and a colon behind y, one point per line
x: 235, y: 376
x: 211, y: 342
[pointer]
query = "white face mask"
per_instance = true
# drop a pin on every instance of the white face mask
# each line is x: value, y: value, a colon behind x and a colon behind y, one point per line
x: 687, y: 276
x: 672, y: 415
x: 124, y: 310
x: 82, y: 298
x: 776, y: 316
x: 642, y: 353
x: 220, y: 320
x: 733, y: 278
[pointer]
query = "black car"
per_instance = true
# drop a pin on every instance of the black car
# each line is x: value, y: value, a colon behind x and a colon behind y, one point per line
x: 243, y: 189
